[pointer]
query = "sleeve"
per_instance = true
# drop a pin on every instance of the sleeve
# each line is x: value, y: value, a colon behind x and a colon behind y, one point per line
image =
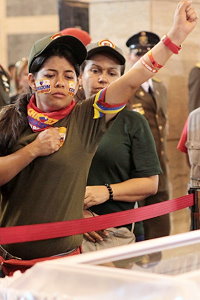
x: 101, y: 107
x: 181, y: 144
x: 194, y: 89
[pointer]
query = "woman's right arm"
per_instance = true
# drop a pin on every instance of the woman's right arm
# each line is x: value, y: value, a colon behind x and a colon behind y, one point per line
x: 185, y: 20
x: 46, y: 143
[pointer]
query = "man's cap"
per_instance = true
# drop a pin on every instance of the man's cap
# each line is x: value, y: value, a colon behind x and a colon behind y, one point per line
x: 105, y: 46
x: 142, y: 42
x: 71, y: 43
x: 80, y: 34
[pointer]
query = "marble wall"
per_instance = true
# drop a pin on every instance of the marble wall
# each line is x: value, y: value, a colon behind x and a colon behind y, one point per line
x: 21, y: 23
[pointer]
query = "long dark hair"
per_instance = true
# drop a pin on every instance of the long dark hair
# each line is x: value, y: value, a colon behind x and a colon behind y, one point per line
x: 13, y: 117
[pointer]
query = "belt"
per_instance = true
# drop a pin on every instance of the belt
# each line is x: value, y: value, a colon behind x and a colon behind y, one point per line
x: 6, y: 255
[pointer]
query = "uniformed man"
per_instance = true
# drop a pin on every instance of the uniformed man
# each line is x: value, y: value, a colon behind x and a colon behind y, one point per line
x: 194, y: 88
x: 4, y: 87
x: 151, y: 101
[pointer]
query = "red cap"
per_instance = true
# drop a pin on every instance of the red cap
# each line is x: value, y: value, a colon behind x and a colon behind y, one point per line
x: 80, y: 34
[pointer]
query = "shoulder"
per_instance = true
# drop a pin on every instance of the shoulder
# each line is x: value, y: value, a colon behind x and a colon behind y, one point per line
x: 194, y: 112
x: 131, y: 117
x: 195, y: 69
x: 156, y: 79
x: 159, y: 85
x: 126, y: 113
x: 83, y: 104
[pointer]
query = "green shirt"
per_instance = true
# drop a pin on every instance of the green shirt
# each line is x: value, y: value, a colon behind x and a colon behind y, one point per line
x: 52, y: 188
x: 126, y: 151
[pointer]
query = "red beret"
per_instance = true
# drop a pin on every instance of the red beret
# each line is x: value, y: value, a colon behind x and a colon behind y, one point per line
x: 80, y: 34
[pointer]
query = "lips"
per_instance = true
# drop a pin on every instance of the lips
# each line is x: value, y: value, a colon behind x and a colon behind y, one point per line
x: 59, y: 95
x: 96, y: 90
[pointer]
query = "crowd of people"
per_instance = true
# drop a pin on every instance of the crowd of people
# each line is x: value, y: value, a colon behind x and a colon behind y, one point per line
x: 113, y: 153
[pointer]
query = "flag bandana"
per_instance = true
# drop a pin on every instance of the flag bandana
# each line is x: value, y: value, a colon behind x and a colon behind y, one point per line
x: 39, y: 120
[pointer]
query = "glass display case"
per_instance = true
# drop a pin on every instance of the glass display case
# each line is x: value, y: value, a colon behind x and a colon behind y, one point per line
x: 164, y: 268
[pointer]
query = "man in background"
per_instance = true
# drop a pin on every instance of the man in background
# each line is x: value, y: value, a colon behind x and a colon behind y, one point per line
x: 151, y: 101
x: 194, y: 88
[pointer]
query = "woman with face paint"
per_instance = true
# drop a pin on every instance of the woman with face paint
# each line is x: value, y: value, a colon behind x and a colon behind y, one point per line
x: 52, y: 188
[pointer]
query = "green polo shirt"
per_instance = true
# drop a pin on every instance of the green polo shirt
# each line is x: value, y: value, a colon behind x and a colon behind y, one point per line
x: 127, y: 150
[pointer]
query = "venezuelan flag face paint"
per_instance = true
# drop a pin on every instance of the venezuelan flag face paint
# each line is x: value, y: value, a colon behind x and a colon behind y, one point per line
x: 43, y: 86
x: 72, y: 87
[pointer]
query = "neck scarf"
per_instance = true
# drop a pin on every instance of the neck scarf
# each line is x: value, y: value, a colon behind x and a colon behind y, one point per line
x: 40, y: 121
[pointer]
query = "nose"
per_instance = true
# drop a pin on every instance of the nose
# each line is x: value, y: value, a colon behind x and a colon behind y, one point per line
x: 59, y: 82
x: 103, y: 78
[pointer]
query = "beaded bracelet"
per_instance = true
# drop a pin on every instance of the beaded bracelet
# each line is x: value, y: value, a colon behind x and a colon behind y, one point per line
x: 109, y: 190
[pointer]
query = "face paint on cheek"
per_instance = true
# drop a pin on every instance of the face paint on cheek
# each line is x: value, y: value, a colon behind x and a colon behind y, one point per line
x: 43, y: 86
x: 72, y: 86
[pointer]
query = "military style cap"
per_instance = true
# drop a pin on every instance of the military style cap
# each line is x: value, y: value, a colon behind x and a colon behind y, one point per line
x: 80, y: 34
x: 142, y: 42
x: 71, y: 43
x: 105, y: 46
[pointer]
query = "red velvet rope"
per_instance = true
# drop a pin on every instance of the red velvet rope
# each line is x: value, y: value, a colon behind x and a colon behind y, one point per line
x: 27, y: 233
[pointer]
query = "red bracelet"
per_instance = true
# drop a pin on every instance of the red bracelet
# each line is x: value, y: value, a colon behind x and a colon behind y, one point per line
x: 153, y: 70
x: 152, y: 60
x: 169, y: 44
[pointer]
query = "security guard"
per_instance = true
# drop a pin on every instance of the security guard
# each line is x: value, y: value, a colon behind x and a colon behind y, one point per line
x: 194, y: 88
x: 4, y: 87
x: 151, y: 101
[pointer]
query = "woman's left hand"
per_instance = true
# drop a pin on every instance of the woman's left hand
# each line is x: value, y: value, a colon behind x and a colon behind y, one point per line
x: 95, y: 195
x: 94, y: 236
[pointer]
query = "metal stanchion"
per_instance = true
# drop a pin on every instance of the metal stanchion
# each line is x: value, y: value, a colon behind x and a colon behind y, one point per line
x: 195, y: 210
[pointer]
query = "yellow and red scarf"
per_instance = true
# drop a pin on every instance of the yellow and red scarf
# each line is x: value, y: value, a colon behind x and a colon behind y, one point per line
x: 39, y: 120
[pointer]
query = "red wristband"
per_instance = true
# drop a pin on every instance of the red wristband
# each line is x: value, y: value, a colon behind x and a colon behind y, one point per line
x: 148, y: 67
x: 169, y: 44
x: 154, y: 63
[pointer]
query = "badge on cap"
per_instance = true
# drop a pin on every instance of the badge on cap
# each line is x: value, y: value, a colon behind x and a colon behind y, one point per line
x: 55, y: 36
x: 106, y: 43
x: 143, y: 38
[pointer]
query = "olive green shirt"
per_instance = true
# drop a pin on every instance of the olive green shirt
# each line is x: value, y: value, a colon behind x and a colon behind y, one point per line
x: 52, y: 188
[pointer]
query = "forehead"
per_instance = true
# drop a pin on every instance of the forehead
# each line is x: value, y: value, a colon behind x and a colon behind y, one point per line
x: 102, y: 59
x: 58, y: 62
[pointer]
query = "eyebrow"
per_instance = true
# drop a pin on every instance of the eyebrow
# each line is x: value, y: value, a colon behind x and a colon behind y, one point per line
x: 98, y: 66
x: 67, y: 71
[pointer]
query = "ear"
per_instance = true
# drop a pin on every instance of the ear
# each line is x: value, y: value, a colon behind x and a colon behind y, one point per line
x: 77, y: 85
x: 31, y: 81
x: 80, y: 80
